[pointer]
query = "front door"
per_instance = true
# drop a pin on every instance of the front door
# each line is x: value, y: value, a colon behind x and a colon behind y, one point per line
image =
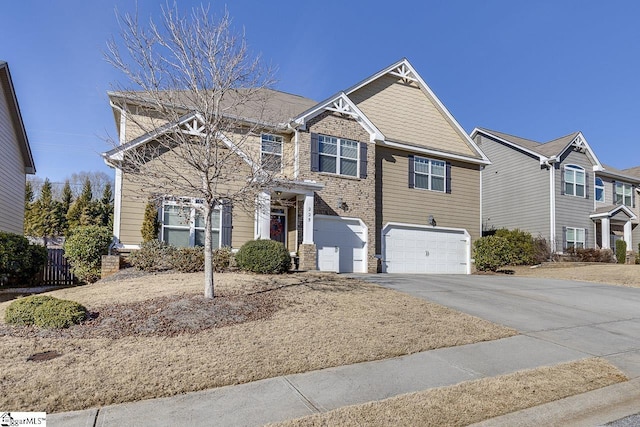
x: 278, y: 226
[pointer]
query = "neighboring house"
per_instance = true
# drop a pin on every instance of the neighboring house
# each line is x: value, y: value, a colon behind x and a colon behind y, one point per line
x: 15, y: 157
x: 379, y: 177
x: 558, y: 190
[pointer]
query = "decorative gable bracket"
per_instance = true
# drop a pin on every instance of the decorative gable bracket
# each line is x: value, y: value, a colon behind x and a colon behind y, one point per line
x: 405, y: 73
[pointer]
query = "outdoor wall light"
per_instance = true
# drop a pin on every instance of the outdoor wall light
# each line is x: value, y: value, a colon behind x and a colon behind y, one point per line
x: 340, y: 204
x: 431, y: 221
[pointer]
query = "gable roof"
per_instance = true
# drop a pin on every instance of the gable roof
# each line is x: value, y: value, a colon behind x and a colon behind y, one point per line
x: 453, y: 142
x: 544, y: 150
x: 16, y: 118
x: 634, y: 171
x: 609, y: 211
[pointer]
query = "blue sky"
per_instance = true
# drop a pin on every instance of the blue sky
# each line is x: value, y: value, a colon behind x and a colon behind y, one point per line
x: 537, y: 69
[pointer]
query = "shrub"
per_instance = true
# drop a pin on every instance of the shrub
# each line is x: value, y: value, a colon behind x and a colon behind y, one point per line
x: 153, y: 255
x: 492, y: 252
x: 621, y: 251
x: 222, y: 259
x: 45, y: 311
x: 521, y: 244
x: 541, y: 250
x: 590, y: 255
x: 264, y: 256
x: 188, y: 260
x: 638, y: 255
x: 84, y: 250
x: 20, y: 261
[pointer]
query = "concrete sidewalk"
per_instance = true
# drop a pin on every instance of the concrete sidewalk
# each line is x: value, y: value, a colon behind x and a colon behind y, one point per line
x: 292, y: 396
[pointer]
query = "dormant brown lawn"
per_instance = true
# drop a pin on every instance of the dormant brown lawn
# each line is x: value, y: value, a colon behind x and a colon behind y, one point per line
x: 473, y: 401
x: 615, y: 274
x: 321, y: 320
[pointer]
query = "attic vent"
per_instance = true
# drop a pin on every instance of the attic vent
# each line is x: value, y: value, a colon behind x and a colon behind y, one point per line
x: 404, y: 73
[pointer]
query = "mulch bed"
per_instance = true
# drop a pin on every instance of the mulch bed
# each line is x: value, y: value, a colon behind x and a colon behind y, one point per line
x: 163, y: 316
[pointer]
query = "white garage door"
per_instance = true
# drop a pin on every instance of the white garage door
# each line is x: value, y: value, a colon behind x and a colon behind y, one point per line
x: 341, y: 244
x: 423, y: 249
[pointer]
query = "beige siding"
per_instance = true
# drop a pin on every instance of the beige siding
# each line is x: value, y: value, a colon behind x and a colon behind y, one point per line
x: 399, y: 203
x: 12, y: 174
x: 404, y: 113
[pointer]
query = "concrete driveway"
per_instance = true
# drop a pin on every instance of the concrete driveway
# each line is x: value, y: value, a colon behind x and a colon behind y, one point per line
x: 596, y: 319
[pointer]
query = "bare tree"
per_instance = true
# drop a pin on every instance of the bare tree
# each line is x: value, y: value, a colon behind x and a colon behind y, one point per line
x: 202, y: 96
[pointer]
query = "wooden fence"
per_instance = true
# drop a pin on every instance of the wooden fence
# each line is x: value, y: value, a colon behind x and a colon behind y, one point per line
x: 57, y: 271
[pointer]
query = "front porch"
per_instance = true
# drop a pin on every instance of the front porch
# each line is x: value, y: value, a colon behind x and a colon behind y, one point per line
x: 614, y: 223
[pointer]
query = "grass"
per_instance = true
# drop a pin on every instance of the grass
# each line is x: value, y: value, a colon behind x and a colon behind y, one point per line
x: 614, y: 274
x: 473, y: 401
x: 321, y: 321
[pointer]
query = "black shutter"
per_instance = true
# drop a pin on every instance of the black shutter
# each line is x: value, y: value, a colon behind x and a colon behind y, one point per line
x: 315, y: 156
x: 613, y: 193
x: 564, y: 239
x: 363, y: 160
x: 586, y: 238
x: 561, y: 180
x: 586, y: 185
x: 633, y: 196
x: 226, y: 226
x: 448, y: 177
x: 412, y: 176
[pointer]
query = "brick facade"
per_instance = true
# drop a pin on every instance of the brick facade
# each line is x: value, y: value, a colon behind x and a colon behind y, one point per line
x: 358, y: 194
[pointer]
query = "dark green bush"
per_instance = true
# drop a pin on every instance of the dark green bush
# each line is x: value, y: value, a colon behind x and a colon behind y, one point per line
x: 153, y: 255
x: 521, y: 244
x: 621, y: 251
x: 264, y: 256
x: 222, y: 259
x: 44, y: 311
x: 84, y: 250
x: 492, y: 252
x: 20, y: 261
x: 188, y: 260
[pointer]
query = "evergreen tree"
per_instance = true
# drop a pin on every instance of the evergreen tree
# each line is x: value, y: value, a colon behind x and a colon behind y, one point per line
x: 82, y: 211
x: 106, y: 207
x: 150, y: 224
x: 28, y: 209
x: 65, y: 204
x: 46, y: 214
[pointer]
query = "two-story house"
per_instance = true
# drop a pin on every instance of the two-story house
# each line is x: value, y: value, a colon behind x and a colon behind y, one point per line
x: 16, y: 160
x: 558, y: 190
x: 377, y: 177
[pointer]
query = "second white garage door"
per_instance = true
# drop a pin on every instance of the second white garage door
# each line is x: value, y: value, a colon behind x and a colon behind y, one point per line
x: 341, y: 244
x: 423, y: 249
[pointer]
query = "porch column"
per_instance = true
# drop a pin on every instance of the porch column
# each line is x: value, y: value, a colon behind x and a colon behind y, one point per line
x: 307, y: 220
x: 263, y: 216
x: 605, y: 233
x: 627, y: 235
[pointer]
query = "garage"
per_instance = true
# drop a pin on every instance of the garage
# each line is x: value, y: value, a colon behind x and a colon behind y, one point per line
x: 419, y: 249
x: 341, y: 244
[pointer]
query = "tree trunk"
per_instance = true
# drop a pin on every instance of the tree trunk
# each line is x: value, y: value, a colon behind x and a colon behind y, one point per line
x: 208, y: 253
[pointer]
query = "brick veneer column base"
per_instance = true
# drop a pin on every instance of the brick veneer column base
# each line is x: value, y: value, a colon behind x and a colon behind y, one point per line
x: 110, y: 265
x: 308, y: 257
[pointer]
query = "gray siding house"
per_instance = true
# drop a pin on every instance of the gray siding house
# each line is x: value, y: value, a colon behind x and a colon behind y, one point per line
x: 558, y: 190
x: 15, y: 157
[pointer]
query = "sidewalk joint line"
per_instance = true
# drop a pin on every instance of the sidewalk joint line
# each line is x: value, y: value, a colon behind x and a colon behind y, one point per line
x: 95, y: 420
x: 307, y: 402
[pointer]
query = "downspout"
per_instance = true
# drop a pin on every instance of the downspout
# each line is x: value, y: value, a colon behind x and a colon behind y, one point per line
x: 296, y: 150
x: 552, y: 201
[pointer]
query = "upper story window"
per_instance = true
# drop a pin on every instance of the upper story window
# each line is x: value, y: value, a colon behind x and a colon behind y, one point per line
x: 623, y: 194
x: 574, y: 181
x: 271, y: 152
x: 183, y: 223
x: 338, y: 155
x: 429, y: 174
x: 575, y: 238
x: 599, y: 190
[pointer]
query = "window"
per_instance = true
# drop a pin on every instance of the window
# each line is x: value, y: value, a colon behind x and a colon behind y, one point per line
x: 183, y: 223
x: 337, y: 155
x: 429, y: 174
x: 599, y: 190
x: 271, y: 152
x: 575, y: 238
x: 623, y: 194
x: 574, y: 181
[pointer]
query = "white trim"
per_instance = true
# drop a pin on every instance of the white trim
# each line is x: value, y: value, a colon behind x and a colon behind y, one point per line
x: 428, y: 227
x: 271, y: 153
x: 365, y: 235
x: 342, y: 104
x: 575, y: 169
x: 436, y: 153
x: 575, y: 237
x: 430, y: 175
x: 117, y: 203
x: 296, y: 154
x: 552, y: 206
x: 121, y: 246
x: 481, y: 173
x: 580, y: 141
x: 613, y: 211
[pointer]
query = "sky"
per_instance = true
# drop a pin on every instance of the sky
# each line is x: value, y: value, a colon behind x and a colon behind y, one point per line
x: 536, y: 69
